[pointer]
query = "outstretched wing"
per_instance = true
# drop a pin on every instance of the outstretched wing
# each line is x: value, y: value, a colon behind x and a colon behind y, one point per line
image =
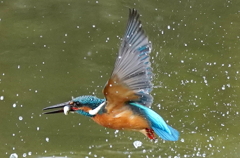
x: 132, y: 74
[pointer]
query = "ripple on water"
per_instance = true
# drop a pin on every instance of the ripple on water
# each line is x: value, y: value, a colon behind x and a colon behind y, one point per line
x: 137, y: 147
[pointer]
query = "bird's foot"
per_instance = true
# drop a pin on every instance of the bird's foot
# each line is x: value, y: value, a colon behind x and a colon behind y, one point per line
x: 150, y: 133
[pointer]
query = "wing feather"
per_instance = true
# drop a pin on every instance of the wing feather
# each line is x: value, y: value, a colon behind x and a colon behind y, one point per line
x: 132, y: 74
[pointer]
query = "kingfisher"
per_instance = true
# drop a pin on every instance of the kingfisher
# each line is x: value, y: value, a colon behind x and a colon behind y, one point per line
x: 127, y: 102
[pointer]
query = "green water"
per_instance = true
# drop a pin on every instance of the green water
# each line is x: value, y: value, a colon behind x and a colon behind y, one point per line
x: 53, y: 50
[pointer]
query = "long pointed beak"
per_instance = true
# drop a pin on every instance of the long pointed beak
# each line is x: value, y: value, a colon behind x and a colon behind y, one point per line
x: 64, y: 108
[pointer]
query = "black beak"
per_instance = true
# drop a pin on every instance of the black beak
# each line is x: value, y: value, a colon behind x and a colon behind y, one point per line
x: 61, y: 106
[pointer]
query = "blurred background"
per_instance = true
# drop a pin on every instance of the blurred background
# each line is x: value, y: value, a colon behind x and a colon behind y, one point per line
x: 51, y: 51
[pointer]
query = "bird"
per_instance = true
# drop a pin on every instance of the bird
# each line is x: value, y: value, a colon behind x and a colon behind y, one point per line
x: 127, y: 102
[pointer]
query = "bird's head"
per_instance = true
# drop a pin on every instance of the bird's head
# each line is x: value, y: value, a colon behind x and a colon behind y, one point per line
x: 85, y: 105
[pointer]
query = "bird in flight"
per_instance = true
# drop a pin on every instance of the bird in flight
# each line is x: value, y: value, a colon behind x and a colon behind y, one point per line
x: 127, y: 101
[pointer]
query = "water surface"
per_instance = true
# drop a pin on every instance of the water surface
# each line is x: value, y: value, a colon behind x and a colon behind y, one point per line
x: 53, y: 50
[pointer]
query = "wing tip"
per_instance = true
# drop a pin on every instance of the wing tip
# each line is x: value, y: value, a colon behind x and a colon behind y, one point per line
x: 133, y: 11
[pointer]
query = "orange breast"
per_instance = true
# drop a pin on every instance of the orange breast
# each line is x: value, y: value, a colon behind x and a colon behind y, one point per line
x: 122, y: 118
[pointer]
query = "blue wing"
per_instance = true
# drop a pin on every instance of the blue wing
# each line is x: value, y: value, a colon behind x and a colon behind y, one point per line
x: 160, y: 127
x: 132, y: 68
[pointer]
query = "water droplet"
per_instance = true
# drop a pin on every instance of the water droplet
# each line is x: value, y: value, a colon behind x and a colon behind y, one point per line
x: 24, y: 154
x: 137, y: 144
x: 13, y: 155
x: 20, y: 118
x: 223, y: 87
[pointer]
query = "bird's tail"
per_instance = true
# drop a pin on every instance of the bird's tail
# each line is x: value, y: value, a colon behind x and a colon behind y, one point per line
x: 157, y: 123
x: 172, y: 136
x: 160, y: 127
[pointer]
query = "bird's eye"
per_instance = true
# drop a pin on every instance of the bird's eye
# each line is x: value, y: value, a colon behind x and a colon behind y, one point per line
x: 77, y: 104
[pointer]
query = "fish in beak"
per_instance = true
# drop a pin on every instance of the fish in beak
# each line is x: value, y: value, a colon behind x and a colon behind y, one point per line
x: 65, y: 108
